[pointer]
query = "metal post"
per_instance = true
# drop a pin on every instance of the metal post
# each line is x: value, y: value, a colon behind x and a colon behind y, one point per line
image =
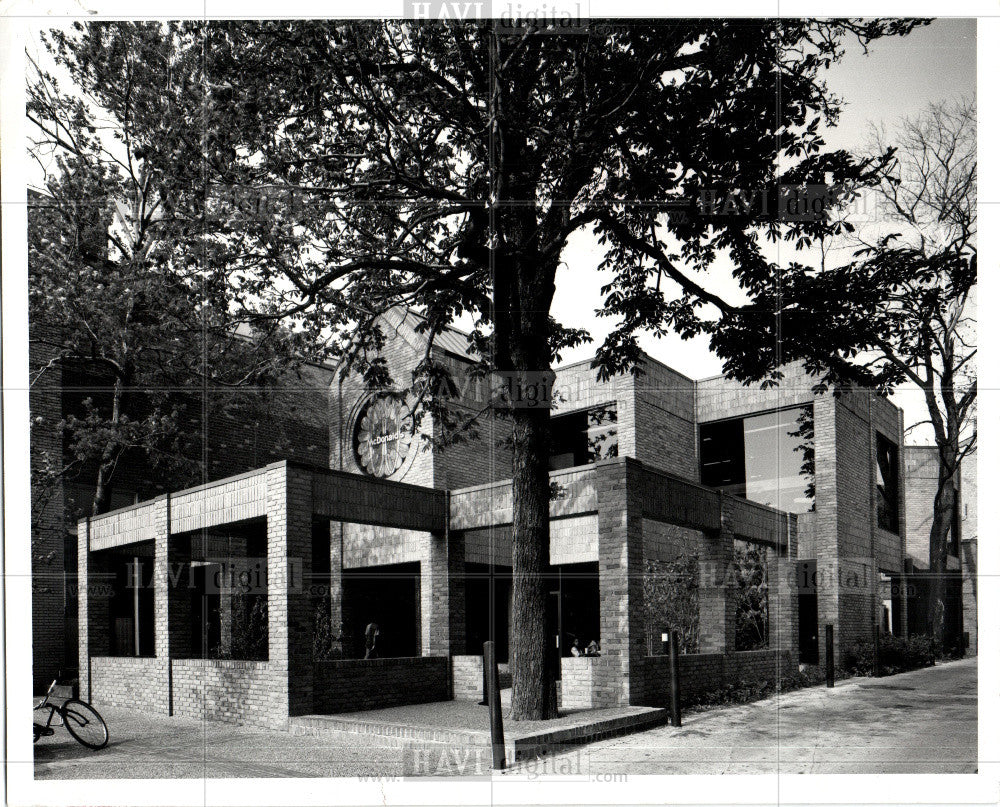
x: 675, y: 681
x: 486, y: 687
x: 496, y: 715
x: 829, y: 655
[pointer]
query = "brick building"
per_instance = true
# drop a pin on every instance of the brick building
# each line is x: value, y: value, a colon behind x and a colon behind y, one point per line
x: 744, y: 519
x: 961, y: 583
x: 231, y: 431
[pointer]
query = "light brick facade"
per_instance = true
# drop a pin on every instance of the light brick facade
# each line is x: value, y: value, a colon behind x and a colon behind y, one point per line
x: 444, y: 512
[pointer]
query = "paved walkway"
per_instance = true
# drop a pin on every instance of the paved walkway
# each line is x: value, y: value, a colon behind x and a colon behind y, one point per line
x: 919, y: 722
x: 923, y: 721
x: 152, y: 746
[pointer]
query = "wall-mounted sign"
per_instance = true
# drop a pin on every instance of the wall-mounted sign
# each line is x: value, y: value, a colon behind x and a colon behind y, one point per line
x: 383, y: 435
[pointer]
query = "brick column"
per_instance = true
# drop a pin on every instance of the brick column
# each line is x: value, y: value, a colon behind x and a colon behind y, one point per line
x: 783, y: 605
x: 83, y: 605
x: 826, y: 528
x: 618, y: 675
x: 163, y: 582
x: 435, y: 618
x: 289, y: 561
x: 716, y: 606
x: 456, y: 593
x: 337, y: 583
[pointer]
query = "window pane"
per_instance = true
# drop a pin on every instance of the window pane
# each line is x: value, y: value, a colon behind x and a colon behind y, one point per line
x: 767, y: 458
x: 779, y: 456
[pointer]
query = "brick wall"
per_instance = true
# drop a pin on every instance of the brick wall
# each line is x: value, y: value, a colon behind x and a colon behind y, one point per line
x: 130, y: 682
x: 577, y: 683
x: 666, y: 436
x: 241, y: 692
x: 358, y: 684
x: 467, y: 678
x: 705, y: 672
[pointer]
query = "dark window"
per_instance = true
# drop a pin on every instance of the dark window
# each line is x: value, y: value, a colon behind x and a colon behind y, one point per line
x: 584, y: 437
x: 887, y: 469
x: 767, y: 458
x: 722, y: 462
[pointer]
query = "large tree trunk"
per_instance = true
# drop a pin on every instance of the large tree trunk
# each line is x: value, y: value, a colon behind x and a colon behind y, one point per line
x: 941, y: 524
x: 531, y: 659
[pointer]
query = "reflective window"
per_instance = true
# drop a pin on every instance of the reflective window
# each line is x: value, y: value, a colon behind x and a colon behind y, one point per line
x: 767, y: 458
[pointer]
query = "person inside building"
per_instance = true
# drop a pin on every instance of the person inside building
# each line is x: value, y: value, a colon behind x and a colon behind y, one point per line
x: 593, y: 649
x: 371, y: 634
x: 575, y: 648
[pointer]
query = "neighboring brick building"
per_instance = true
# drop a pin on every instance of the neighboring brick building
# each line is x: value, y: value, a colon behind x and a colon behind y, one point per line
x: 961, y: 585
x: 669, y: 494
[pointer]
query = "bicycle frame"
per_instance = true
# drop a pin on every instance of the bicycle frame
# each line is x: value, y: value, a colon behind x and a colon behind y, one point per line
x: 53, y: 710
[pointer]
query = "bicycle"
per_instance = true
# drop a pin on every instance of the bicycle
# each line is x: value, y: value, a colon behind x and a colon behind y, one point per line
x: 80, y: 719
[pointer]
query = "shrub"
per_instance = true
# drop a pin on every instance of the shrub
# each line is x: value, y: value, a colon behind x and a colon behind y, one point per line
x: 750, y: 691
x: 896, y: 655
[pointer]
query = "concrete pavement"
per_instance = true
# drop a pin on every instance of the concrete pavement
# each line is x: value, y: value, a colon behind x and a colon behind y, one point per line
x: 918, y: 722
x: 923, y: 721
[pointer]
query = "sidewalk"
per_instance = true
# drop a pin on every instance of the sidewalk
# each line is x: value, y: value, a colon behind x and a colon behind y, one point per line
x: 923, y: 721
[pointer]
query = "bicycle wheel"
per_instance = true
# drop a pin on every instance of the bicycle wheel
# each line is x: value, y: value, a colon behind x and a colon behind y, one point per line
x: 84, y: 723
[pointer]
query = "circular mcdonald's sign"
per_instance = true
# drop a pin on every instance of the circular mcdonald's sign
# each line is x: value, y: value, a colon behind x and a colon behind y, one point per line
x: 383, y: 436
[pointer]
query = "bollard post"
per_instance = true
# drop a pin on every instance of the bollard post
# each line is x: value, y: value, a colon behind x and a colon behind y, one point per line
x: 496, y: 715
x: 486, y: 687
x: 675, y: 681
x: 829, y: 655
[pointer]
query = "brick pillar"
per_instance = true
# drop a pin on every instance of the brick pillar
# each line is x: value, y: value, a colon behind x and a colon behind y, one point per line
x: 783, y: 606
x: 618, y: 675
x: 337, y: 583
x: 83, y: 605
x: 716, y: 605
x: 162, y: 584
x: 435, y: 617
x: 826, y: 528
x: 289, y: 561
x: 456, y: 593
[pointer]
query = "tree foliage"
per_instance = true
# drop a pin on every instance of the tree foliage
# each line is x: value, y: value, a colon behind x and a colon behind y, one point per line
x: 350, y: 167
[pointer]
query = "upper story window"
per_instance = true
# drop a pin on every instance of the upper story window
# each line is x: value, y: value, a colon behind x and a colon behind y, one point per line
x: 887, y: 483
x: 583, y: 437
x: 767, y: 458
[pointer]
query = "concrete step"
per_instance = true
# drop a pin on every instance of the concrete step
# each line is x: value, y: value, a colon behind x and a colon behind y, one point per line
x: 521, y: 743
x: 401, y: 734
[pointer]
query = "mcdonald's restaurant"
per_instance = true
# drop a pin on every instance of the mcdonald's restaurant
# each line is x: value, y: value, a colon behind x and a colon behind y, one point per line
x: 742, y: 520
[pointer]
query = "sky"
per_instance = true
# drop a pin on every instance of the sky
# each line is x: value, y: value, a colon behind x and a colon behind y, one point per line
x: 897, y: 78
